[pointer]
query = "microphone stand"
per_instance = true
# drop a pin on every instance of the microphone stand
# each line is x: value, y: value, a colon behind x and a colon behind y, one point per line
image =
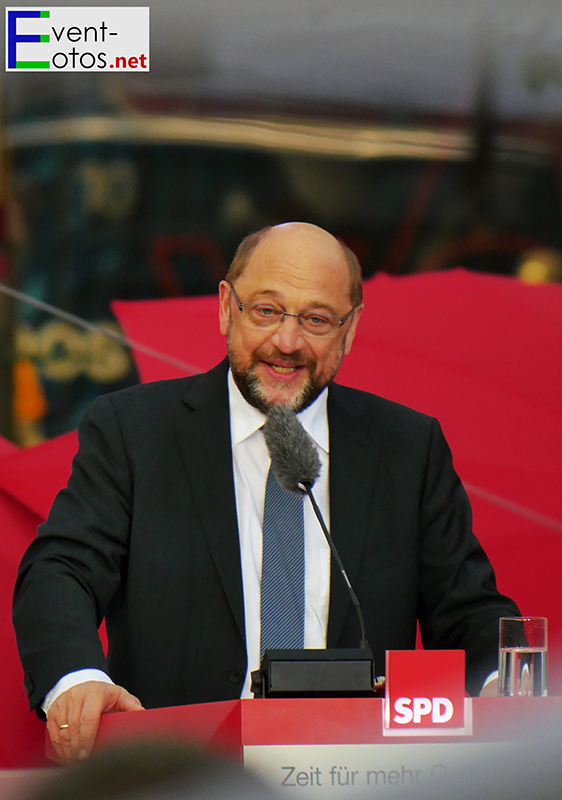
x: 363, y: 644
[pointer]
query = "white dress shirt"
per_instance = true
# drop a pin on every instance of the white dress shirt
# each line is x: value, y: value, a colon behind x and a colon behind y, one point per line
x: 251, y: 465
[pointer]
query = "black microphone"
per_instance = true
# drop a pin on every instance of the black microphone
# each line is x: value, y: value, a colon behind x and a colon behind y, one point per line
x: 296, y: 465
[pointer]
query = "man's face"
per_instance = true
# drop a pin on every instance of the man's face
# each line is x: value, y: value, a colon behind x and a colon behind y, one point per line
x: 298, y: 268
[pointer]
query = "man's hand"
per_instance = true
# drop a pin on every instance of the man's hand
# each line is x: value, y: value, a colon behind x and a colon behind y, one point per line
x: 74, y: 716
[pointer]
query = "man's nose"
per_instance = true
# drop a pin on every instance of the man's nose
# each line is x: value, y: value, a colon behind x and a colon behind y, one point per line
x: 288, y: 336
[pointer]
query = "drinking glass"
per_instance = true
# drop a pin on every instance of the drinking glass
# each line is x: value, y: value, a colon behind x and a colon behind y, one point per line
x: 523, y: 657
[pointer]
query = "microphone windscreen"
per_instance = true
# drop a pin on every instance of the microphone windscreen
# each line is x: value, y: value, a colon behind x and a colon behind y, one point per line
x: 294, y: 458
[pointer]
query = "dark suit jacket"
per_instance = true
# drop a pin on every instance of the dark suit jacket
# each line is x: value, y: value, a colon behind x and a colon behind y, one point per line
x: 145, y: 536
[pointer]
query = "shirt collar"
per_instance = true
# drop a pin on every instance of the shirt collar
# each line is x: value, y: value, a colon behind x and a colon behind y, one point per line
x: 246, y: 420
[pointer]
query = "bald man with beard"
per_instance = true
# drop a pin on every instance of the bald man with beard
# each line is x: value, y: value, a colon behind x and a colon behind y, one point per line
x: 159, y: 529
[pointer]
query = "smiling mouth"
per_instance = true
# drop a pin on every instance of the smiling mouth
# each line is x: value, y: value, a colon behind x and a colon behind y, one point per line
x: 284, y: 370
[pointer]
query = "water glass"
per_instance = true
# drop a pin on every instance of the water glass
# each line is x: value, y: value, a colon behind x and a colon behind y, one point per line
x: 523, y: 657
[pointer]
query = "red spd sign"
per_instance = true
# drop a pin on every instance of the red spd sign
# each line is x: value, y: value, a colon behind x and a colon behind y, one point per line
x: 425, y: 694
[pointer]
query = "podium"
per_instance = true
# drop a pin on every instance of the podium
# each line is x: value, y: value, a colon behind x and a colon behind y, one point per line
x: 336, y: 744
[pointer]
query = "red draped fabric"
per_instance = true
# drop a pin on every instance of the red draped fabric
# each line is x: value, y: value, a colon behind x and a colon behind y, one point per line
x: 29, y: 481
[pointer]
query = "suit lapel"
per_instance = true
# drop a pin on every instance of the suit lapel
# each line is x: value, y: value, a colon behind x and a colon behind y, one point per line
x: 353, y: 468
x: 203, y: 429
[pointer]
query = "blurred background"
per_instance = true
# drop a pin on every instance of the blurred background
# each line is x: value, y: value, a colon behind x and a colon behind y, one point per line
x: 425, y: 134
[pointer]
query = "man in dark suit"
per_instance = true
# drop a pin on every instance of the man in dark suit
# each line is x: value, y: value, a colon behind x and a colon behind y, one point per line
x: 157, y: 531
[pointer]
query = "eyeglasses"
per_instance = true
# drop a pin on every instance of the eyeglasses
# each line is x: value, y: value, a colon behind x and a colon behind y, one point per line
x: 260, y: 315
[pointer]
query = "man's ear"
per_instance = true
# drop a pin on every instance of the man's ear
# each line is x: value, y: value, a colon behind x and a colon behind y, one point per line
x: 224, y: 307
x: 350, y: 335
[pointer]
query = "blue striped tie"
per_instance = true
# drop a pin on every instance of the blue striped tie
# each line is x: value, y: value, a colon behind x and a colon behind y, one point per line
x: 282, y: 580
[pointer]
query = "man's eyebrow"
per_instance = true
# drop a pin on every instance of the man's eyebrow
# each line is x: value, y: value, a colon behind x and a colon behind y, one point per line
x: 274, y: 295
